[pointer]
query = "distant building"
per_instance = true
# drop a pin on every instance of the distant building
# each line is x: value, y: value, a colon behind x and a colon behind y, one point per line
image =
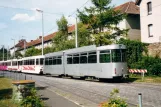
x: 38, y: 42
x: 132, y: 21
x: 18, y: 46
x: 150, y: 12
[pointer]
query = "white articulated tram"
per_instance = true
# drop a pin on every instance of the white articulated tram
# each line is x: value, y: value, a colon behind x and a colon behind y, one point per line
x: 32, y: 64
x: 104, y: 62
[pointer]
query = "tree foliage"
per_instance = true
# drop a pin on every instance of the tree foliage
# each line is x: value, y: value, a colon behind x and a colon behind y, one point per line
x: 32, y: 52
x: 134, y: 51
x: 84, y: 37
x: 5, y: 54
x: 102, y: 20
x: 137, y: 60
x: 18, y: 55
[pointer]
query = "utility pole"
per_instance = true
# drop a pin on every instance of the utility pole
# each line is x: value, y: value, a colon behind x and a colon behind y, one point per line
x: 14, y: 47
x: 42, y: 30
x: 76, y: 33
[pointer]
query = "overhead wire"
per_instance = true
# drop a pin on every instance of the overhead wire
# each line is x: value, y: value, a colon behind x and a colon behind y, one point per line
x: 79, y: 8
x: 30, y: 10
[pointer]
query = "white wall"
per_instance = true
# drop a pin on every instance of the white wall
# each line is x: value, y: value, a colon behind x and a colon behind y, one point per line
x: 46, y: 44
x: 154, y: 19
x: 12, y: 51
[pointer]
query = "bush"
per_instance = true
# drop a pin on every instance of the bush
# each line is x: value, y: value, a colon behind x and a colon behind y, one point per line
x: 136, y: 59
x: 153, y: 65
x: 134, y: 50
x: 115, y: 101
x: 31, y: 99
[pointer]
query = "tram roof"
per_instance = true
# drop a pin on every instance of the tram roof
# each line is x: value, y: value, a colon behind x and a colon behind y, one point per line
x: 113, y: 46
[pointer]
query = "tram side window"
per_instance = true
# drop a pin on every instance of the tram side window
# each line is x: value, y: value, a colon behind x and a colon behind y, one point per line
x: 116, y: 55
x: 54, y: 61
x: 46, y: 61
x: 83, y: 58
x: 37, y: 61
x: 123, y: 55
x: 92, y: 57
x: 33, y: 61
x: 50, y: 61
x: 69, y: 59
x: 41, y: 61
x: 76, y: 59
x: 58, y: 60
x: 105, y: 56
x: 14, y: 63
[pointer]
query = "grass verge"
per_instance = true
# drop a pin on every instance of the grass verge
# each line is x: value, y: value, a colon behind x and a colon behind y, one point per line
x: 6, y: 93
x: 147, y: 79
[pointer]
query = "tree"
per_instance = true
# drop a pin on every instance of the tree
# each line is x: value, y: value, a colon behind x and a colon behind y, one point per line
x: 60, y: 41
x: 32, y: 52
x: 5, y: 54
x: 100, y: 17
x: 18, y: 55
x: 84, y: 37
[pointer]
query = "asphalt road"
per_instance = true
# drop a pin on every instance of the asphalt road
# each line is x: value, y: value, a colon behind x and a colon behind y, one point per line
x: 90, y: 94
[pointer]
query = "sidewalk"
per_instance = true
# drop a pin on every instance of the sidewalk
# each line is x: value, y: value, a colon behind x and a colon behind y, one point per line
x: 51, y: 99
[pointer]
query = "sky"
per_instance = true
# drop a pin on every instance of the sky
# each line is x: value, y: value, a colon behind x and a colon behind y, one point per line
x: 19, y: 18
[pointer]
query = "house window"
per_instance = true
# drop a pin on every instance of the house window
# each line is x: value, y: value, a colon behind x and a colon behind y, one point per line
x: 149, y: 6
x: 150, y: 28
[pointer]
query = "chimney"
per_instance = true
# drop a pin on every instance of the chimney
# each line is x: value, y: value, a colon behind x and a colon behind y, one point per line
x: 40, y: 37
x: 31, y: 40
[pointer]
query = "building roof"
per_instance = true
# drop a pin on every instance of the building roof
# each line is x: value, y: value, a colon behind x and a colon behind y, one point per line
x: 20, y: 44
x: 128, y: 8
x: 138, y: 2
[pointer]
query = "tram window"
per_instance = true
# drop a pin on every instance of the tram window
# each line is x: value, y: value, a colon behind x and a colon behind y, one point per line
x: 92, y: 53
x: 37, y: 61
x: 116, y: 55
x: 82, y: 54
x: 30, y: 62
x: 123, y: 55
x: 46, y: 61
x: 92, y: 57
x: 58, y: 61
x: 83, y: 59
x: 69, y: 59
x: 50, y: 61
x: 25, y: 62
x: 104, y: 58
x: 76, y: 59
x: 54, y: 61
x: 33, y: 61
x: 41, y: 61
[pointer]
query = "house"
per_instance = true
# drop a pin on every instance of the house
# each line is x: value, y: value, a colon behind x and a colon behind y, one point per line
x: 150, y: 16
x: 132, y: 21
x: 18, y: 46
x: 37, y: 43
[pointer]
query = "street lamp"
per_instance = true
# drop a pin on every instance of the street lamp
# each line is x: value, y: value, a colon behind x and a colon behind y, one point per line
x: 76, y: 32
x: 24, y: 45
x: 42, y: 30
x: 14, y: 47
